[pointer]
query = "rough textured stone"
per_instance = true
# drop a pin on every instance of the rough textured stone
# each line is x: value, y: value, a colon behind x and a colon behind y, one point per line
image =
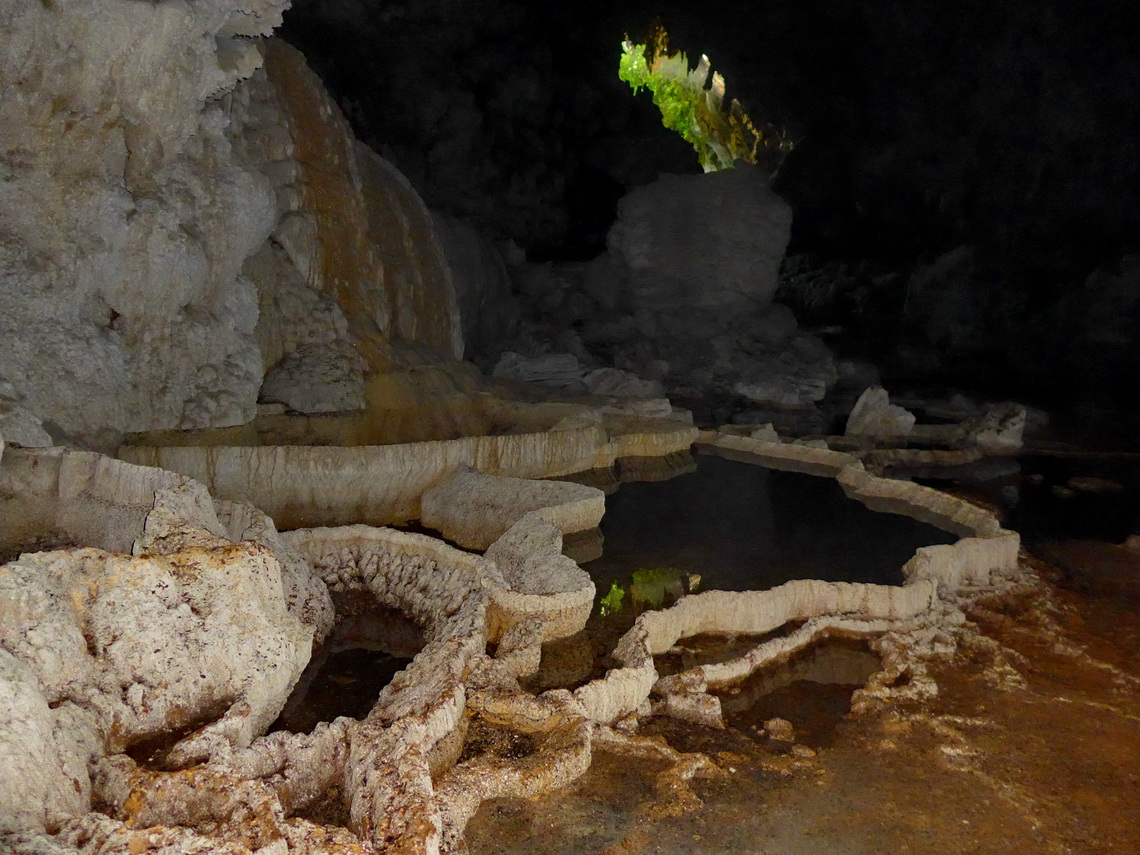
x: 43, y: 760
x: 22, y: 427
x: 127, y: 216
x: 306, y: 596
x: 156, y: 643
x: 360, y: 235
x: 780, y: 729
x: 308, y: 485
x: 52, y: 498
x: 621, y: 384
x: 712, y: 240
x: 303, y: 336
x: 475, y: 510
x: 998, y: 430
x: 551, y: 369
x: 875, y: 417
x: 102, y: 650
x: 543, y: 583
x: 326, y: 379
x: 776, y: 455
x: 204, y: 220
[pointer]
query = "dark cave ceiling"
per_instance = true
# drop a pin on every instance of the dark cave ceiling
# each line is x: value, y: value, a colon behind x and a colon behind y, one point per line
x: 1009, y: 126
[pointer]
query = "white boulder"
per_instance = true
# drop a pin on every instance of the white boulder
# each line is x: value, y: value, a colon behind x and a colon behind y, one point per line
x: 875, y: 417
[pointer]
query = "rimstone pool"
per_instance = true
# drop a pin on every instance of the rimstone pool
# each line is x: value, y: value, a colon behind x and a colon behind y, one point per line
x: 736, y: 526
x: 719, y: 525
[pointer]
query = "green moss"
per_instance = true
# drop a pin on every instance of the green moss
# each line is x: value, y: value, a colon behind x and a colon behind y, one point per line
x: 693, y: 106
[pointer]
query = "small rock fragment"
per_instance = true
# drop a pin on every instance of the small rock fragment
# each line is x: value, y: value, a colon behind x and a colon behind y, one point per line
x: 780, y: 730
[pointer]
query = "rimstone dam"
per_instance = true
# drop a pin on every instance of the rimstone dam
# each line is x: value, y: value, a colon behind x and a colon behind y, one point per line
x: 408, y: 446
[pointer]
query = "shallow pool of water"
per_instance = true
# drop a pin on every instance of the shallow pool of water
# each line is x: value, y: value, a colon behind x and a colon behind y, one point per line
x: 812, y: 690
x: 344, y: 683
x: 741, y: 527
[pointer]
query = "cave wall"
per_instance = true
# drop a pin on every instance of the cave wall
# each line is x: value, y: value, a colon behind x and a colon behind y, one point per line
x: 357, y: 229
x: 186, y: 222
x: 126, y: 217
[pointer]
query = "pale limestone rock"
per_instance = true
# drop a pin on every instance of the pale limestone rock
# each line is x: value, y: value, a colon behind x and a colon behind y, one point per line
x: 875, y: 417
x: 54, y: 497
x: 641, y: 437
x: 780, y: 730
x: 129, y: 217
x: 541, y: 583
x: 418, y: 281
x: 306, y: 596
x: 308, y: 485
x: 757, y: 612
x: 32, y: 843
x: 170, y: 640
x: 386, y: 774
x: 353, y: 227
x: 840, y: 606
x: 291, y: 314
x: 820, y: 444
x: 21, y: 427
x: 474, y: 509
x: 298, y: 485
x: 780, y: 390
x: 972, y: 561
x: 779, y: 651
x: 396, y: 767
x: 697, y: 707
x: 322, y: 379
x: 647, y: 408
x: 985, y: 549
x: 783, y: 456
x: 563, y: 754
x: 919, y: 502
x: 551, y: 369
x: 713, y: 240
x: 384, y: 765
x: 99, y: 833
x: 191, y: 631
x: 998, y: 430
x: 764, y: 433
x: 43, y: 761
x: 622, y: 384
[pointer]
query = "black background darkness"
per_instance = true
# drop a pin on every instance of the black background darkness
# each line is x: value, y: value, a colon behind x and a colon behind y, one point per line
x: 1009, y: 126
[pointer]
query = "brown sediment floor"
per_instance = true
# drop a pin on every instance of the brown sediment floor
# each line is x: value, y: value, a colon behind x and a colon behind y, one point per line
x: 1032, y: 745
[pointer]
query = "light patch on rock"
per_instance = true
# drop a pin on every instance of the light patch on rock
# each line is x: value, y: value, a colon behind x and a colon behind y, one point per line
x: 875, y: 417
x: 998, y: 430
x: 475, y: 509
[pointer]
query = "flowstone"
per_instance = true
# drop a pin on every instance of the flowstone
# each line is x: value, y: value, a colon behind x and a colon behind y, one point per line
x: 143, y: 672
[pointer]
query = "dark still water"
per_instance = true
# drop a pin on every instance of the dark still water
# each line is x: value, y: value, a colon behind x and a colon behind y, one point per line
x: 743, y: 527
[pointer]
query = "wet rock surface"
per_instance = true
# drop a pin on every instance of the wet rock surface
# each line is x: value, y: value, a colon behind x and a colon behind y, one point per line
x: 1043, y: 681
x: 441, y: 750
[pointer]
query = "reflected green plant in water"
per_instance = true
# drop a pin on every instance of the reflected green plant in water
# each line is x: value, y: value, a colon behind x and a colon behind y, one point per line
x: 611, y: 602
x: 650, y: 587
